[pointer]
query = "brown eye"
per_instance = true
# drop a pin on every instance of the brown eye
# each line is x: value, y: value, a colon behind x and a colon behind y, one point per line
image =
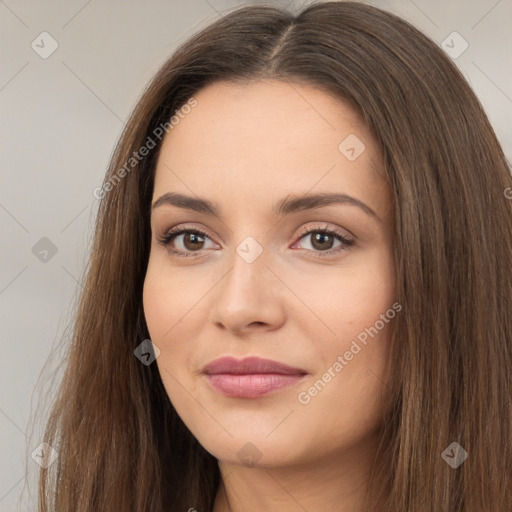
x: 189, y: 241
x: 192, y: 241
x: 322, y: 240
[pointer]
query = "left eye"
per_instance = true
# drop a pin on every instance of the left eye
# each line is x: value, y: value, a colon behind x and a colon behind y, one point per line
x: 322, y: 239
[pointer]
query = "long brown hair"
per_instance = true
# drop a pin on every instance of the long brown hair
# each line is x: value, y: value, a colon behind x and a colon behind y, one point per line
x: 120, y: 442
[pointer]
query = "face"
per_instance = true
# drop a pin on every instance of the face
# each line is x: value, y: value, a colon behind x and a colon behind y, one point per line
x: 257, y: 270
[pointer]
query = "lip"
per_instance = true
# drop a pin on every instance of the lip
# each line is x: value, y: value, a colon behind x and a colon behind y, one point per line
x: 251, y: 377
x: 249, y: 365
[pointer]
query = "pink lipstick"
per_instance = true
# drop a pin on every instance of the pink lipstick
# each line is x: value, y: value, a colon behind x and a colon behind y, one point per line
x: 251, y: 377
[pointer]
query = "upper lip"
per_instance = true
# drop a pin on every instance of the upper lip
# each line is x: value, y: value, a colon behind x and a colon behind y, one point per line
x: 249, y: 365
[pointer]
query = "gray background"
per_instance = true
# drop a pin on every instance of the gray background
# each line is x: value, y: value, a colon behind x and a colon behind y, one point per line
x: 60, y: 118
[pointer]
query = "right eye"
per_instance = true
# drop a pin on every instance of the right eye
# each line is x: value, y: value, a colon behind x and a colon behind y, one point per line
x: 192, y: 242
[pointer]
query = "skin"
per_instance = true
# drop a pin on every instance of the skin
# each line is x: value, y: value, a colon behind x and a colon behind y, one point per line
x: 246, y: 147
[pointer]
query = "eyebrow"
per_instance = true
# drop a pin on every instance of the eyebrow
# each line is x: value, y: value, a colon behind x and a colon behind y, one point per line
x: 287, y: 205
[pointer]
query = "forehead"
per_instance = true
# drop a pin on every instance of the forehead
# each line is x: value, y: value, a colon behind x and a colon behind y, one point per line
x: 257, y: 142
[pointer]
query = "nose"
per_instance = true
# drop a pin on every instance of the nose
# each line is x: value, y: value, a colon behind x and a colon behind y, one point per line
x: 250, y: 296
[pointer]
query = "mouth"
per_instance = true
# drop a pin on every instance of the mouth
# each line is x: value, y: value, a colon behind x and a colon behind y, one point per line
x: 251, y: 377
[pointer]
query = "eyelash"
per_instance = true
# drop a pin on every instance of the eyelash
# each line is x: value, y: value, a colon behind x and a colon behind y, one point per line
x: 166, y: 239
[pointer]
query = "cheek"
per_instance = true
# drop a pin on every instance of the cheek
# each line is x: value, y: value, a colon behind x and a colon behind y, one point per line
x: 362, y: 299
x: 156, y: 301
x: 175, y: 316
x: 162, y: 312
x: 347, y: 300
x: 356, y: 305
x: 353, y: 363
x: 163, y: 308
x: 168, y: 296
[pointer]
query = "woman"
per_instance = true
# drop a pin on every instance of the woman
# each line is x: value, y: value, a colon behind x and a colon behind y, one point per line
x: 341, y: 338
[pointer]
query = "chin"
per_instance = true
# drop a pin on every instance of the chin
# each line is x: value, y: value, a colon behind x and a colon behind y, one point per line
x: 256, y: 453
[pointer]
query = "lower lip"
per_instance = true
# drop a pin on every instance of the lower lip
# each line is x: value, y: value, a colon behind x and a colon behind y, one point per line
x: 251, y: 385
